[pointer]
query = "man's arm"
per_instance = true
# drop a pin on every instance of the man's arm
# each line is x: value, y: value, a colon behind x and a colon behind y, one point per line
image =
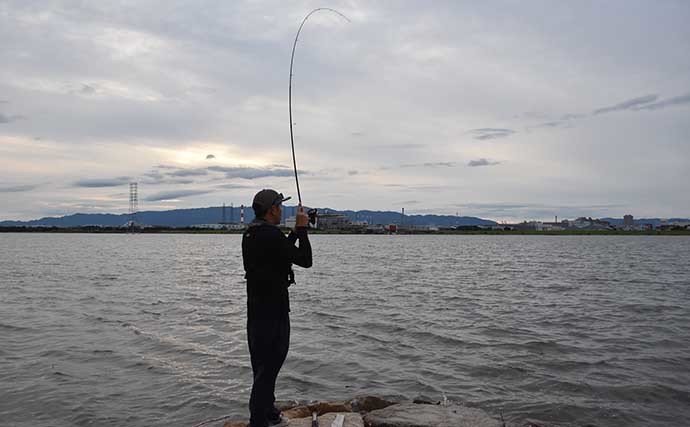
x: 300, y: 255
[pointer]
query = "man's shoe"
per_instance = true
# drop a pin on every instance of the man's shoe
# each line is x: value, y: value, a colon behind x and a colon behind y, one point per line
x: 279, y: 421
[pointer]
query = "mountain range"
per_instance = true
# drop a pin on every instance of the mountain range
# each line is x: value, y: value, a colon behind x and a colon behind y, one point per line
x: 214, y: 215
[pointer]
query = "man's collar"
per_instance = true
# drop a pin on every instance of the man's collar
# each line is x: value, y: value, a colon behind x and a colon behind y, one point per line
x: 259, y: 222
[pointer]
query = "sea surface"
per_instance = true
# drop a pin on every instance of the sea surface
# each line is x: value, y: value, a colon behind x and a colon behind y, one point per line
x: 149, y: 330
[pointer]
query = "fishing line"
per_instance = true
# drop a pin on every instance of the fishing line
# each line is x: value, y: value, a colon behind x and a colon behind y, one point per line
x: 292, y: 60
x: 292, y: 142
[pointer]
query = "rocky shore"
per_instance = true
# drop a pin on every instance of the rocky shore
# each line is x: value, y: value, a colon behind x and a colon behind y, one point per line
x: 372, y: 411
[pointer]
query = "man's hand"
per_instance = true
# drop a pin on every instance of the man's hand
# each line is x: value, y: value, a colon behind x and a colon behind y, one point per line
x: 302, y: 219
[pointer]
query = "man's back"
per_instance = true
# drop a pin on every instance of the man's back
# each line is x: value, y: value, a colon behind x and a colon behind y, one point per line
x: 268, y: 256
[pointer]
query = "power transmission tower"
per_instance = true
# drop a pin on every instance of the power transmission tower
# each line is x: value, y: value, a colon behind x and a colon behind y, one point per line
x: 133, y: 205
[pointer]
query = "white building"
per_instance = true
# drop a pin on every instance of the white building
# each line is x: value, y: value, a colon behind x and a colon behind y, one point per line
x: 290, y: 222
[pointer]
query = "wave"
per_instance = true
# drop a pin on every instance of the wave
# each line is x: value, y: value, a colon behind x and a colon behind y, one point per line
x: 8, y: 327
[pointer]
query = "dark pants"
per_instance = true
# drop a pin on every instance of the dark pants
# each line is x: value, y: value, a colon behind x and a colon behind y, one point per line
x: 269, y: 340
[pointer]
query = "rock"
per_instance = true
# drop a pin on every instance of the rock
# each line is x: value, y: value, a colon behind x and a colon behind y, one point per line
x: 298, y: 412
x: 284, y: 405
x: 535, y: 423
x: 326, y: 407
x: 414, y: 415
x: 425, y: 400
x: 235, y: 424
x: 319, y: 407
x: 351, y: 420
x: 369, y: 403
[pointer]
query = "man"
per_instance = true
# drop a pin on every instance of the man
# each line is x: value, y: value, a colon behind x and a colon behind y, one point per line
x: 268, y: 256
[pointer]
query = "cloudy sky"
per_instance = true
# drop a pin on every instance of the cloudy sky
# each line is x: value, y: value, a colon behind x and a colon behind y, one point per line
x: 502, y: 109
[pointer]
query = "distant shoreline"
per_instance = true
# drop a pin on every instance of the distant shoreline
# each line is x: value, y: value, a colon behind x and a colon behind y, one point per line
x: 189, y: 230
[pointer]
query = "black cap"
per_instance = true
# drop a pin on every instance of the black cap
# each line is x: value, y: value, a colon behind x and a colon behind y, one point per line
x: 266, y: 198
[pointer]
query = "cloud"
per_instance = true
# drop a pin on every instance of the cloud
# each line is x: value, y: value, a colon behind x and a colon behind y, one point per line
x: 491, y: 133
x: 16, y: 188
x: 398, y: 146
x: 439, y: 164
x: 232, y: 186
x: 565, y: 121
x: 532, y: 115
x: 210, y: 156
x: 172, y: 195
x: 418, y: 188
x: 529, y: 211
x: 150, y: 87
x: 482, y: 162
x: 504, y: 206
x: 9, y: 119
x: 102, y: 182
x: 247, y: 172
x: 189, y: 172
x: 677, y: 100
x: 163, y: 173
x: 155, y: 177
x: 430, y: 165
x: 627, y: 105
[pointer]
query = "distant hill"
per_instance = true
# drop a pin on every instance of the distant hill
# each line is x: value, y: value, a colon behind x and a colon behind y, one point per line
x: 213, y: 215
x: 389, y: 217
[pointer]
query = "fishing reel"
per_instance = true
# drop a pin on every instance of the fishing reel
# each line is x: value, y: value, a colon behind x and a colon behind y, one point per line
x: 312, y: 214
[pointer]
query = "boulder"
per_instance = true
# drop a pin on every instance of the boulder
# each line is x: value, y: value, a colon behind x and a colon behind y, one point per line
x: 425, y: 400
x: 351, y: 420
x: 284, y: 405
x: 535, y: 423
x: 326, y: 407
x: 369, y: 403
x: 319, y: 407
x: 416, y: 415
x: 298, y: 412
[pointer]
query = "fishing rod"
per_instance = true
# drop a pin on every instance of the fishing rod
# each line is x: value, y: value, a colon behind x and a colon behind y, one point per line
x: 312, y: 212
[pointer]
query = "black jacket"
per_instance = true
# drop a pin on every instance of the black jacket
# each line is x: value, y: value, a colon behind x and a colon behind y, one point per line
x: 268, y: 256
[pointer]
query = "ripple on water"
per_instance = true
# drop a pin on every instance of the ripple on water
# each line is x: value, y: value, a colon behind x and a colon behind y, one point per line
x: 156, y: 335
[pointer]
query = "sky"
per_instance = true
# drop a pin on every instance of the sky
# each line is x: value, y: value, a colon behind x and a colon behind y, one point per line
x: 505, y: 110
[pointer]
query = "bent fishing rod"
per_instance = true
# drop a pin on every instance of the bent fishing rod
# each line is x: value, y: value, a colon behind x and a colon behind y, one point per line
x: 312, y: 212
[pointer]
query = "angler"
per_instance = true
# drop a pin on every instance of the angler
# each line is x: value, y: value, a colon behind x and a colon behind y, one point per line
x: 268, y: 256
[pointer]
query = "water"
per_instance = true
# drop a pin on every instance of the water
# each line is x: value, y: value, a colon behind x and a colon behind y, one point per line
x: 149, y: 330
